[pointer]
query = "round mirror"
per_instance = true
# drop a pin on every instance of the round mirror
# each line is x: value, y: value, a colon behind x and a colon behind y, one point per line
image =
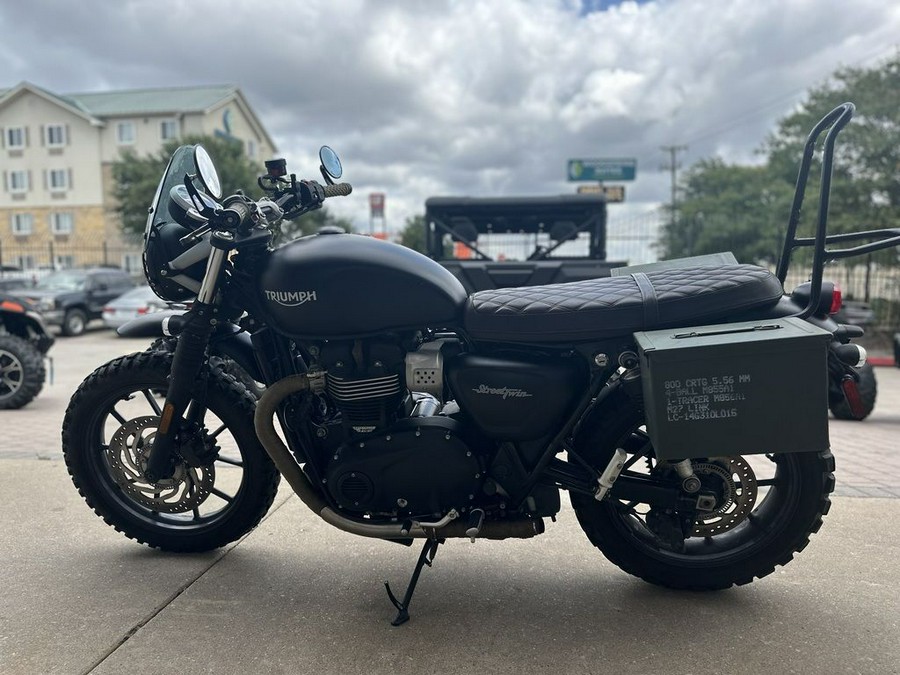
x: 330, y: 162
x: 206, y: 171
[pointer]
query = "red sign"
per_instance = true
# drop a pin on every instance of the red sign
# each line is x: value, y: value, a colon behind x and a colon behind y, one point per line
x: 376, y: 204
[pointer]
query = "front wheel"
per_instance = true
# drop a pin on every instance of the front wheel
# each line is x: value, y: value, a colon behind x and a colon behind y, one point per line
x: 223, y: 481
x: 767, y: 508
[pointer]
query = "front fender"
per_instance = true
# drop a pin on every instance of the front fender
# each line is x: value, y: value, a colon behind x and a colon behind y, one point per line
x: 149, y: 325
x: 228, y: 340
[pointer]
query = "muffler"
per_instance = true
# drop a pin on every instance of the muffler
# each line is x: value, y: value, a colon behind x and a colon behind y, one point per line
x: 264, y: 422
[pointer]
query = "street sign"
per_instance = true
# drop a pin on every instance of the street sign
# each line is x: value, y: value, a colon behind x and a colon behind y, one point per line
x: 613, y: 193
x: 602, y: 169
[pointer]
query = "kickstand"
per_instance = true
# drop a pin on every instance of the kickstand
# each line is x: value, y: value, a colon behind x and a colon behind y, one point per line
x: 426, y: 557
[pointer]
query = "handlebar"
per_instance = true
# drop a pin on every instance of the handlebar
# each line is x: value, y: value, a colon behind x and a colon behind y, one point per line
x: 338, y: 190
x: 236, y: 212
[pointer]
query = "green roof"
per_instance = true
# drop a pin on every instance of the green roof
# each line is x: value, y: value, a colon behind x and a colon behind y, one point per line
x: 150, y: 101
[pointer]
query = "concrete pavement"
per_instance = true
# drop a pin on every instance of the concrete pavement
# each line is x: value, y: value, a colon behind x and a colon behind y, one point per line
x: 296, y: 596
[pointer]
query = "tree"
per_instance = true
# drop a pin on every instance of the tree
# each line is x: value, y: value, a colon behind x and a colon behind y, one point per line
x: 745, y: 209
x: 135, y: 178
x: 865, y: 189
x: 742, y: 209
x: 413, y: 233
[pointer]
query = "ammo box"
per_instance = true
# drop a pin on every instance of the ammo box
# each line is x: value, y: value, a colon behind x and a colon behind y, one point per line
x: 736, y: 389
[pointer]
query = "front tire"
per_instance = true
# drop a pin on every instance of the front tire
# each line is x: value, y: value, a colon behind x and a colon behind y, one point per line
x: 775, y: 526
x: 21, y: 372
x: 107, y: 429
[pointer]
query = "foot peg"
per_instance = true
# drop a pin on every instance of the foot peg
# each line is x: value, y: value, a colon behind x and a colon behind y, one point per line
x: 476, y: 520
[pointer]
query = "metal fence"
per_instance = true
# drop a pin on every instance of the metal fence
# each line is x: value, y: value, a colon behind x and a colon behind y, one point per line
x: 33, y: 261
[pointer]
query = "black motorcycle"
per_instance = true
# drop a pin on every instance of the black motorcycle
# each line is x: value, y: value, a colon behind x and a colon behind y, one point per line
x: 683, y: 408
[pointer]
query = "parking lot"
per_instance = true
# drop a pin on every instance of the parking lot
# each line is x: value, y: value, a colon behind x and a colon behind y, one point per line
x: 296, y: 596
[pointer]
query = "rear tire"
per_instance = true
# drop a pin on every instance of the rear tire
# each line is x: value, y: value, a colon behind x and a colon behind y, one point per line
x: 868, y: 392
x: 109, y: 425
x: 778, y: 527
x: 22, y: 372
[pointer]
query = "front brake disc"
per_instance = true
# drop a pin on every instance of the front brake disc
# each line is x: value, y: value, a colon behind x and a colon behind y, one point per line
x: 187, y: 488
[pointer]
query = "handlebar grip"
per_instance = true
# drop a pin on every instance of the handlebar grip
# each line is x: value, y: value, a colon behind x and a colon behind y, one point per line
x: 339, y: 190
x: 235, y: 213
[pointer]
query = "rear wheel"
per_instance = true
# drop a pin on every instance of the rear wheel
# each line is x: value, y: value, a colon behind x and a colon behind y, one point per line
x: 223, y: 481
x: 767, y: 507
x: 21, y: 372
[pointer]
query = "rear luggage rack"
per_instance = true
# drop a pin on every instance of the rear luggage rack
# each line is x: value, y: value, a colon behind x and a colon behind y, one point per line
x: 837, y: 119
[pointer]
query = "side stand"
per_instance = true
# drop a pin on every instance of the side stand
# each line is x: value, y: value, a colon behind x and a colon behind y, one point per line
x: 426, y: 557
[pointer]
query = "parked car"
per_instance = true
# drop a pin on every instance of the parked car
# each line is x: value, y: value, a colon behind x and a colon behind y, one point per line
x: 132, y: 304
x: 72, y: 298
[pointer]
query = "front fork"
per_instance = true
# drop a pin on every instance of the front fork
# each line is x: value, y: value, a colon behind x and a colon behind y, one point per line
x: 190, y: 354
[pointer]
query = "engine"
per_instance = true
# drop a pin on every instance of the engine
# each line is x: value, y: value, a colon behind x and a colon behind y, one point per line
x: 392, y: 451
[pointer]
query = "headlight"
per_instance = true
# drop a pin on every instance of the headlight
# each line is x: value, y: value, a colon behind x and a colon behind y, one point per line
x: 47, y: 304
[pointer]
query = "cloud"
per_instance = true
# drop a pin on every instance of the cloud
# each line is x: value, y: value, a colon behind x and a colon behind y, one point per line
x: 466, y: 97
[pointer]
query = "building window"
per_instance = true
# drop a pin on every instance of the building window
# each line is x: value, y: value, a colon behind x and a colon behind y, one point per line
x: 18, y: 182
x: 168, y: 129
x: 55, y: 135
x: 22, y: 224
x: 62, y: 222
x: 125, y: 133
x: 251, y: 149
x: 58, y: 179
x: 15, y: 138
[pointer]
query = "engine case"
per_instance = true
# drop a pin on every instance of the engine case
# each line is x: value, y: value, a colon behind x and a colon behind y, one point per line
x: 420, y: 466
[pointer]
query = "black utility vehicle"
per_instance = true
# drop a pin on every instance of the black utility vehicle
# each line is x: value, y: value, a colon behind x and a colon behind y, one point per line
x: 24, y: 341
x: 542, y: 224
x: 72, y: 298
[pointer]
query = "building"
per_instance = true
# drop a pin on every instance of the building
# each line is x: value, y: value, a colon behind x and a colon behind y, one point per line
x: 58, y: 150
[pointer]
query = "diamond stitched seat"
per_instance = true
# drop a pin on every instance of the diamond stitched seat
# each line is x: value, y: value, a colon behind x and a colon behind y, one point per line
x: 600, y: 308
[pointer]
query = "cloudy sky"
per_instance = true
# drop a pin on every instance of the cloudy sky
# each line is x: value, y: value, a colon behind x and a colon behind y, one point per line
x: 467, y: 97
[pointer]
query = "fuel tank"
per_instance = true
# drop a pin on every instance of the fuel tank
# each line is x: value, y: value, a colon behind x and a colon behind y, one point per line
x: 342, y: 285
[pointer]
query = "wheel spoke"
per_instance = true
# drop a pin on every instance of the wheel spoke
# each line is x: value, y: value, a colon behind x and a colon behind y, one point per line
x: 218, y: 431
x: 115, y: 413
x: 152, y: 401
x: 228, y: 460
x: 221, y: 495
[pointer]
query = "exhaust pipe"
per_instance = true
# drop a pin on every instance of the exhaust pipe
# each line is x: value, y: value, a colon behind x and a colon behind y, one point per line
x: 264, y: 422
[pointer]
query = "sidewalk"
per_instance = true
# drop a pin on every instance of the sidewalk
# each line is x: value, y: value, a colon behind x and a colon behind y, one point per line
x: 297, y: 596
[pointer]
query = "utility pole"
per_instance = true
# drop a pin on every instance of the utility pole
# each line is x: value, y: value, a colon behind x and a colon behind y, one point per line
x: 673, y: 167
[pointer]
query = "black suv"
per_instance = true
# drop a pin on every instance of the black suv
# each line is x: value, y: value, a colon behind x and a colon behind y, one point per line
x: 72, y: 298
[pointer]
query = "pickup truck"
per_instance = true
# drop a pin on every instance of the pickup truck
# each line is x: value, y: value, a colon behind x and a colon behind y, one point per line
x: 552, y: 239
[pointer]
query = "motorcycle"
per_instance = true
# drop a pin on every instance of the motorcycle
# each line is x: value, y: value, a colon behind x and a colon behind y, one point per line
x: 410, y: 411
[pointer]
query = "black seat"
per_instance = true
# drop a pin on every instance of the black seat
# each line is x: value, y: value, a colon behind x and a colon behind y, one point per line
x: 606, y: 307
